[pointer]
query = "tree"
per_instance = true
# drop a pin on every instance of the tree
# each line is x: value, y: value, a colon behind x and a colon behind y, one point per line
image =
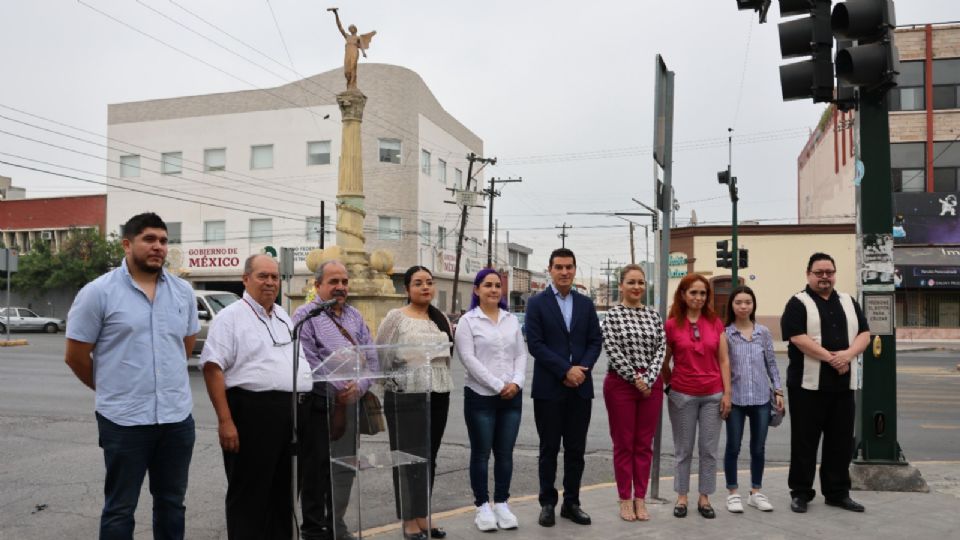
x: 83, y: 256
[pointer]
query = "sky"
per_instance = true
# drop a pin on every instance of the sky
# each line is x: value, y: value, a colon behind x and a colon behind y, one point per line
x: 561, y: 92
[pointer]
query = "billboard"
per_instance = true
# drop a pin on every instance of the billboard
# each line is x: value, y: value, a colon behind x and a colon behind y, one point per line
x: 925, y: 219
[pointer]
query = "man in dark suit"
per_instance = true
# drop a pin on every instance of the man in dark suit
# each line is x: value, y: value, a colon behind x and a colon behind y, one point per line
x: 564, y: 338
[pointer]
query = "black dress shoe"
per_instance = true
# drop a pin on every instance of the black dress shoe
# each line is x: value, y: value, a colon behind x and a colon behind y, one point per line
x: 547, y: 516
x: 419, y: 535
x: 437, y: 532
x: 680, y: 511
x: 706, y: 511
x: 574, y: 514
x: 846, y: 503
x: 798, y: 505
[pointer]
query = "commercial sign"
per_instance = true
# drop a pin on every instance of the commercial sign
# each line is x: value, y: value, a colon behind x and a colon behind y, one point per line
x: 925, y: 219
x: 677, y: 265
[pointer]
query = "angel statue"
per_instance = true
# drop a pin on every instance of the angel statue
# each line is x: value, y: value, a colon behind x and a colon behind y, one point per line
x: 355, y: 44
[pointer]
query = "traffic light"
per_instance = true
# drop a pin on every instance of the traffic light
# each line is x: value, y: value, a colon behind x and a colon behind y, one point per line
x: 742, y: 258
x: 808, y: 36
x: 655, y: 219
x: 724, y: 257
x: 723, y: 177
x: 760, y: 6
x: 873, y: 62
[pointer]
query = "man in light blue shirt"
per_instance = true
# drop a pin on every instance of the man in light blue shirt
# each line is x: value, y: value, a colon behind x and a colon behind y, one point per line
x: 129, y: 333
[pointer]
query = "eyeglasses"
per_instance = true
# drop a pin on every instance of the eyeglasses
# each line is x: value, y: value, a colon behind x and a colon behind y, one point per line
x: 696, y: 331
x: 269, y: 331
x: 823, y: 273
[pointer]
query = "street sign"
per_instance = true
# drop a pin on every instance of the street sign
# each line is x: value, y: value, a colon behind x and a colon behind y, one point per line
x: 8, y: 260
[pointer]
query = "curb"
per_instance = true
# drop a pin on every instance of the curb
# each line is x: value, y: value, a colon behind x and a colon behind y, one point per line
x: 14, y: 343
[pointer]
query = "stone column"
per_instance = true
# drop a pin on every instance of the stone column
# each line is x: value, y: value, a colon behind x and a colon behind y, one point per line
x: 350, y: 199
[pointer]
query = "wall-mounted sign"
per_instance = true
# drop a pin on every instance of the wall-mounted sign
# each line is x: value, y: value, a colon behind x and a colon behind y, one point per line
x: 926, y: 218
x: 677, y: 265
x: 879, y: 311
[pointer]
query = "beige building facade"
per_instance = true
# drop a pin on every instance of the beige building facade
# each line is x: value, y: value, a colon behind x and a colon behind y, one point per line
x: 777, y: 262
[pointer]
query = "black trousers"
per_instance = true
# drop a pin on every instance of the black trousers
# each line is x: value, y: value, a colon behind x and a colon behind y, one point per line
x: 259, y: 503
x: 813, y: 413
x: 315, y: 498
x: 563, y: 421
x: 407, y: 425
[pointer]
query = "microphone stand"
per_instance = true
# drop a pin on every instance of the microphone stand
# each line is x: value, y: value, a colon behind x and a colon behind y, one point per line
x: 294, y: 438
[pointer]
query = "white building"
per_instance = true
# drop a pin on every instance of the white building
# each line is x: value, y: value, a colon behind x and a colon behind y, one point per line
x: 243, y: 172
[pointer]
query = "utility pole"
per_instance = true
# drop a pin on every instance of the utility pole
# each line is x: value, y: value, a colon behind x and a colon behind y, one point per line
x: 563, y: 235
x: 633, y: 254
x: 726, y: 177
x: 465, y: 204
x: 493, y: 194
x: 323, y: 222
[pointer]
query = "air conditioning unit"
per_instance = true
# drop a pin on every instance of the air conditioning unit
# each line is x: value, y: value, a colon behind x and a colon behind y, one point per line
x: 46, y: 235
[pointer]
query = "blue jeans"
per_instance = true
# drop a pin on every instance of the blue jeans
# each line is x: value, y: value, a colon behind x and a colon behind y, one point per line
x: 129, y: 453
x: 492, y: 424
x: 759, y: 416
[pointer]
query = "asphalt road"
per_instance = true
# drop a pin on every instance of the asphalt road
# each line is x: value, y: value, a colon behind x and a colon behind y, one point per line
x: 49, y: 454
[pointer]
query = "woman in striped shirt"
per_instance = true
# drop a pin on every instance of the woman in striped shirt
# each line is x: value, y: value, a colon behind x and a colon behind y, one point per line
x: 753, y: 370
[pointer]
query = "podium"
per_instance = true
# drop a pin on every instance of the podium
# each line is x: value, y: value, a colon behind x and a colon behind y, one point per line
x: 379, y: 459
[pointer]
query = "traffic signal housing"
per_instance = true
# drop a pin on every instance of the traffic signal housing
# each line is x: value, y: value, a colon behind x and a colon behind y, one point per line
x: 808, y: 36
x: 742, y: 259
x: 724, y: 257
x: 873, y: 62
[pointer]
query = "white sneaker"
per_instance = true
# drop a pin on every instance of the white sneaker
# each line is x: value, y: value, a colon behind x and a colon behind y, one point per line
x: 734, y: 504
x: 485, y: 519
x: 505, y: 518
x: 759, y: 501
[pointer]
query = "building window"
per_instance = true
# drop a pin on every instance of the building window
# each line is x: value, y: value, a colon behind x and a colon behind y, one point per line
x: 214, y: 232
x: 425, y: 233
x: 425, y: 162
x: 389, y: 228
x: 907, y: 165
x: 261, y: 156
x: 171, y: 163
x: 390, y: 150
x: 442, y: 171
x: 442, y: 237
x: 215, y: 159
x: 173, y: 232
x: 908, y: 95
x: 130, y: 166
x: 946, y: 166
x: 318, y: 153
x: 457, y: 179
x: 946, y: 83
x: 261, y: 230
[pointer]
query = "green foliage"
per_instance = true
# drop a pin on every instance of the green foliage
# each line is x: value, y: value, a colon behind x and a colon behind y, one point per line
x: 84, y: 256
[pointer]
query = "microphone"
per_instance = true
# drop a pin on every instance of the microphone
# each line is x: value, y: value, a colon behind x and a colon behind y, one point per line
x: 321, y: 307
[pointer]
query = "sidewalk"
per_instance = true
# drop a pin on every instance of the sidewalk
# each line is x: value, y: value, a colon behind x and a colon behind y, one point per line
x: 888, y: 515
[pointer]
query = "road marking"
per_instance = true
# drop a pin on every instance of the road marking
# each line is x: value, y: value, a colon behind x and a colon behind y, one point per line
x: 939, y: 426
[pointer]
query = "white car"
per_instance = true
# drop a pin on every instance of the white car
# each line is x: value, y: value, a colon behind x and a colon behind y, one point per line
x: 25, y: 319
x: 209, y: 303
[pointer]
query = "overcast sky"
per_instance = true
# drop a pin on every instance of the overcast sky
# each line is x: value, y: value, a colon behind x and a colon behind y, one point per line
x: 561, y: 92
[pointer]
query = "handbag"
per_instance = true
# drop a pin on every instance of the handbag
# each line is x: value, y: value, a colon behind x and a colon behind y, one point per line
x: 370, y: 420
x: 776, y: 415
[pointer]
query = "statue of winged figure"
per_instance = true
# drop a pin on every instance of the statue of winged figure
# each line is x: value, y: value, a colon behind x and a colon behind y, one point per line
x: 354, y: 47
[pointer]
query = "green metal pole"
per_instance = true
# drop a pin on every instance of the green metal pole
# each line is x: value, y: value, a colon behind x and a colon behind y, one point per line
x: 877, y: 403
x: 735, y: 258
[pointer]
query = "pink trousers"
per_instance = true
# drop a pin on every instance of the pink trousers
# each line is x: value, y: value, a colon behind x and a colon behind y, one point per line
x: 633, y: 421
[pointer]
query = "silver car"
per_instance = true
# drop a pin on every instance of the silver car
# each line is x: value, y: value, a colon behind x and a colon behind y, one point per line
x: 25, y: 319
x: 209, y: 303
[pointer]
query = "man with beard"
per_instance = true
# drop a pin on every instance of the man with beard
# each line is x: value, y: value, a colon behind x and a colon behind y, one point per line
x: 336, y: 328
x: 827, y: 332
x: 128, y: 339
x: 248, y: 369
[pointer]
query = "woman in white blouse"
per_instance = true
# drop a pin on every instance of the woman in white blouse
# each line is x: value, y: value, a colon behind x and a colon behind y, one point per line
x: 491, y: 346
x: 405, y: 399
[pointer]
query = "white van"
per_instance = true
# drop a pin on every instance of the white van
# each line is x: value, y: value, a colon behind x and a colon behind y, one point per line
x: 209, y: 303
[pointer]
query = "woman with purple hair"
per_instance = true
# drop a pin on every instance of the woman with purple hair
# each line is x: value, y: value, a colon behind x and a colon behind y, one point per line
x: 491, y: 347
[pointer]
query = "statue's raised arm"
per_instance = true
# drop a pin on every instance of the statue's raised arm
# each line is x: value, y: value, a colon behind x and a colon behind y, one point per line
x: 355, y: 45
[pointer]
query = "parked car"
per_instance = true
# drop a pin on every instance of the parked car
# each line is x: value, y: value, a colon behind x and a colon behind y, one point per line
x: 25, y: 319
x: 209, y: 303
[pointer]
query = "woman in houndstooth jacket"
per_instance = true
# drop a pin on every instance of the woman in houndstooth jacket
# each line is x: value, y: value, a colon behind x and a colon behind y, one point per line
x: 634, y: 341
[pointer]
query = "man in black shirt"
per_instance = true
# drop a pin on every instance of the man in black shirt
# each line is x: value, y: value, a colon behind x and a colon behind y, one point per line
x: 827, y: 332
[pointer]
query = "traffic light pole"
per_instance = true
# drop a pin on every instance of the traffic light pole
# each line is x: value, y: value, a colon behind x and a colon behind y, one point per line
x: 734, y: 199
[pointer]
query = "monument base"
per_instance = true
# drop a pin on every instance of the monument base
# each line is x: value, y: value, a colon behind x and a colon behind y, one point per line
x: 887, y: 477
